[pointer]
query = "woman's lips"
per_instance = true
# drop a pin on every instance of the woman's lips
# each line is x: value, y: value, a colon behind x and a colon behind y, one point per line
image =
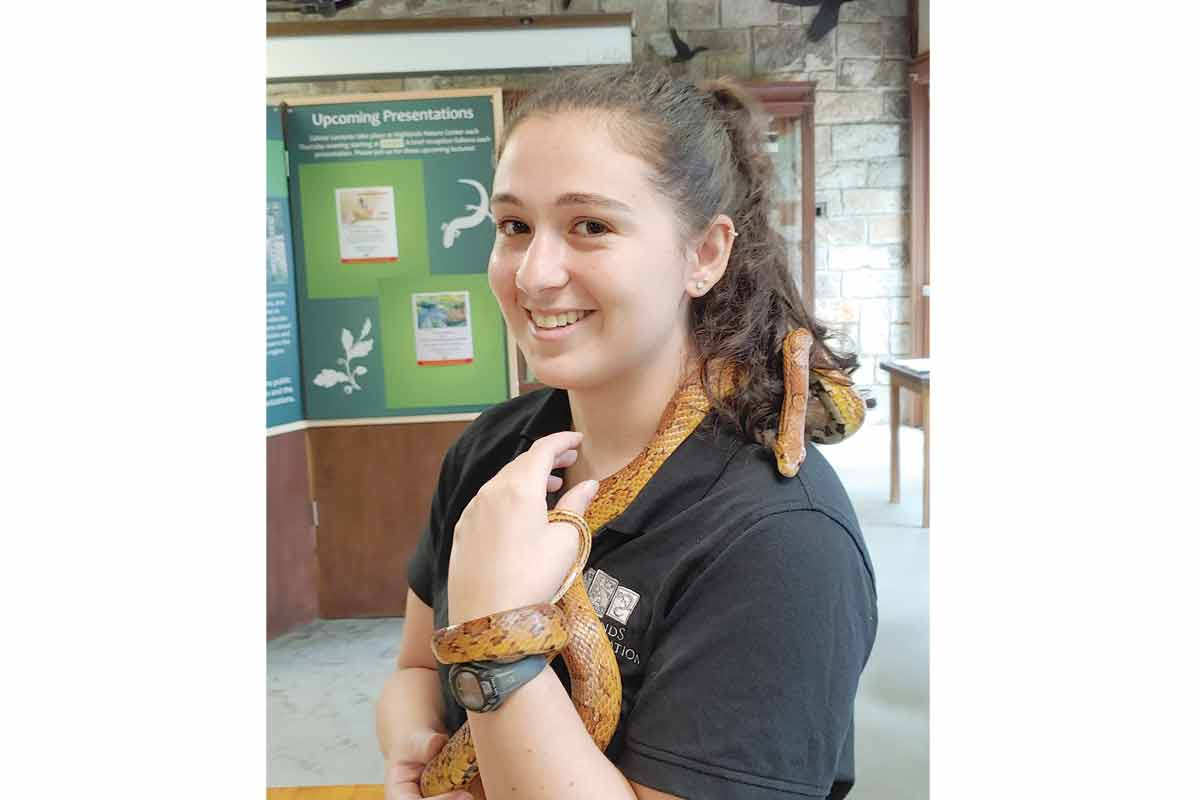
x: 554, y: 334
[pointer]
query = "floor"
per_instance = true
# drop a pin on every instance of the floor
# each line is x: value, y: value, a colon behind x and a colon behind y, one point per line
x: 322, y: 680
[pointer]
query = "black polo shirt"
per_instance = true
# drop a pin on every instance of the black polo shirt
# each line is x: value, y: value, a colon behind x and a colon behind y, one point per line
x: 740, y: 605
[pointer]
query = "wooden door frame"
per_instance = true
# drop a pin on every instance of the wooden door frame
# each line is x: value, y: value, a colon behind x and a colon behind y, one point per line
x: 918, y: 240
x: 919, y: 187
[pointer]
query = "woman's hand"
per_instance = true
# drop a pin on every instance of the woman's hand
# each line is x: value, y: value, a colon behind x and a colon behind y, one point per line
x: 505, y: 555
x: 406, y: 761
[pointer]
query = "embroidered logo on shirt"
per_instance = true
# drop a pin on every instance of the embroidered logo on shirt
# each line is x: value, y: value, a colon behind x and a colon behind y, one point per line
x: 608, y: 596
x: 611, y: 599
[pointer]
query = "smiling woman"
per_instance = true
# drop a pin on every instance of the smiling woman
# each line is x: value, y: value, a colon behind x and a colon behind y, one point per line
x: 580, y: 229
x: 638, y: 273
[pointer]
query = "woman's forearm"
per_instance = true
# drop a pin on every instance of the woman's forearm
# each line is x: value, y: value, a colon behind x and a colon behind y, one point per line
x: 411, y: 700
x: 535, y: 746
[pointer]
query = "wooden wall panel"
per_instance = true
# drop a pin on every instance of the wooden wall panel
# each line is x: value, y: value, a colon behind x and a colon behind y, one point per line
x: 291, y: 538
x: 373, y: 486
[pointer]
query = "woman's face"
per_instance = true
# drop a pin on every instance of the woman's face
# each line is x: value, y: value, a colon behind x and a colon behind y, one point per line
x: 581, y: 231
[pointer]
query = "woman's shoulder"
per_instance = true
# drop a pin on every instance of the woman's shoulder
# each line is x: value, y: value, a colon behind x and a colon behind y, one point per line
x: 758, y: 505
x: 751, y: 483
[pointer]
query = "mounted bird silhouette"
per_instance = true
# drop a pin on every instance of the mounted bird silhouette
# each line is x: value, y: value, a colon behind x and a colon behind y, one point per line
x: 826, y: 19
x: 682, y: 51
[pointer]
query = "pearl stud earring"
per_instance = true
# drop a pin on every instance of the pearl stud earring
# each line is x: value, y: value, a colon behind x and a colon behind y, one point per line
x: 700, y: 285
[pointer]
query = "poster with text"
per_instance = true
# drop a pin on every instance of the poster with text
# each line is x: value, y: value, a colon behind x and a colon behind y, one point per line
x: 285, y: 393
x: 391, y: 201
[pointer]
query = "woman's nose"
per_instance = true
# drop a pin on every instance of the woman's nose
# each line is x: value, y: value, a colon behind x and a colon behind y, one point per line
x: 543, y: 266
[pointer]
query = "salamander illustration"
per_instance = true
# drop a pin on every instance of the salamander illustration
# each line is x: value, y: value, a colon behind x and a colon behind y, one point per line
x: 452, y: 229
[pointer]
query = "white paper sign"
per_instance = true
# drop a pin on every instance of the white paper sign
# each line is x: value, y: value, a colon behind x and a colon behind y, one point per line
x: 443, y: 328
x: 367, y: 224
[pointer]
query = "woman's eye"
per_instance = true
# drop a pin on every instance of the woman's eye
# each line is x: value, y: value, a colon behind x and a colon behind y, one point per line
x: 512, y: 227
x: 592, y: 227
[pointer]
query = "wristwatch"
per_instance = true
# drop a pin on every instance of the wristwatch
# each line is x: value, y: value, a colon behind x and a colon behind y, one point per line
x: 481, y: 686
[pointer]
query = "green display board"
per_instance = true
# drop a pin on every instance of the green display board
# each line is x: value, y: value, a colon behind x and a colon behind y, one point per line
x: 392, y: 232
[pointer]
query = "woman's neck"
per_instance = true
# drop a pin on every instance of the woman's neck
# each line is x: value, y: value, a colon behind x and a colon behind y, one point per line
x: 619, y: 419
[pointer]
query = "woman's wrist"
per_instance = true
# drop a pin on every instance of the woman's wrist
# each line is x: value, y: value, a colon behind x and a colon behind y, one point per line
x: 465, y: 609
x: 411, y: 701
x: 480, y: 595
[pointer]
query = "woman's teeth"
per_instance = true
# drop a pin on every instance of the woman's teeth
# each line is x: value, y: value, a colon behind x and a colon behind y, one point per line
x: 558, y: 320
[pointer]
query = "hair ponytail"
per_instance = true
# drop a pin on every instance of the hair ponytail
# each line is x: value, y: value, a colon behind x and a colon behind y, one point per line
x: 749, y: 312
x: 706, y: 147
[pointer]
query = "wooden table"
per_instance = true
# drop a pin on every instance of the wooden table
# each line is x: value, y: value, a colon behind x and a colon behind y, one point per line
x: 355, y: 792
x: 900, y: 376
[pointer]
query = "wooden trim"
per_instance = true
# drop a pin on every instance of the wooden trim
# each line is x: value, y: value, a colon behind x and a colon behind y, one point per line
x: 290, y: 536
x: 808, y: 198
x: 919, y: 187
x: 918, y: 68
x: 780, y: 99
x: 298, y: 425
x: 312, y: 424
x: 463, y: 416
x: 524, y: 386
x: 918, y: 242
x: 435, y: 24
x: 514, y: 364
x: 925, y: 471
x: 794, y: 101
x: 793, y: 91
x: 914, y: 27
x: 784, y: 99
x: 374, y: 97
x: 786, y: 110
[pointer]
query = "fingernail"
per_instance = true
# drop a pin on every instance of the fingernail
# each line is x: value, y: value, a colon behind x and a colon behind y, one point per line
x: 592, y: 486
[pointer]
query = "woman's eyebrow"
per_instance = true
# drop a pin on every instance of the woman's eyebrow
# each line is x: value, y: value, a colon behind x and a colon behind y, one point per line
x: 569, y: 199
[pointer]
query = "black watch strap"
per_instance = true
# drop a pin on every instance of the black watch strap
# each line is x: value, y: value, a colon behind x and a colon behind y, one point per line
x: 482, y: 686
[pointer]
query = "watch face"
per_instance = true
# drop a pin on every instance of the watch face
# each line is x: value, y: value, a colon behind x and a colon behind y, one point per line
x: 470, y: 693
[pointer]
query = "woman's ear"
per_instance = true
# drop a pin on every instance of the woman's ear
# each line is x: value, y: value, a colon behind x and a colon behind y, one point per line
x: 711, y: 255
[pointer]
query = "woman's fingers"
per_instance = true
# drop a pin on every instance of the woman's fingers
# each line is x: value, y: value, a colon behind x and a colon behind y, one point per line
x: 578, y: 498
x: 556, y: 451
x: 432, y: 746
x: 404, y: 773
x: 544, y: 454
x: 566, y: 458
x: 417, y: 747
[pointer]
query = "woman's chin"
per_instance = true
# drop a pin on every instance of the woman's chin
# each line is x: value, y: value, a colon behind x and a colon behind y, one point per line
x: 560, y: 376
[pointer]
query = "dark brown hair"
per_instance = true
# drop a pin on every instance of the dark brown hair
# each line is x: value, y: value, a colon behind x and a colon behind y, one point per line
x: 705, y: 147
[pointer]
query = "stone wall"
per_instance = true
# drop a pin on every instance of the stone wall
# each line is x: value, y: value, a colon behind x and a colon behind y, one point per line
x: 861, y: 128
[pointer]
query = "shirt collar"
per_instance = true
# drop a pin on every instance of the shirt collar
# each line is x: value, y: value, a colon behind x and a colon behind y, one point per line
x: 682, y: 480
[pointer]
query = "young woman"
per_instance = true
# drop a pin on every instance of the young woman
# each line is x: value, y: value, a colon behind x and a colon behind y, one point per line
x: 634, y: 261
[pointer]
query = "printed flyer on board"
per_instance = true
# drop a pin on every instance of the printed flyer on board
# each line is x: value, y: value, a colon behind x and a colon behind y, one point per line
x: 443, y: 332
x: 367, y: 225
